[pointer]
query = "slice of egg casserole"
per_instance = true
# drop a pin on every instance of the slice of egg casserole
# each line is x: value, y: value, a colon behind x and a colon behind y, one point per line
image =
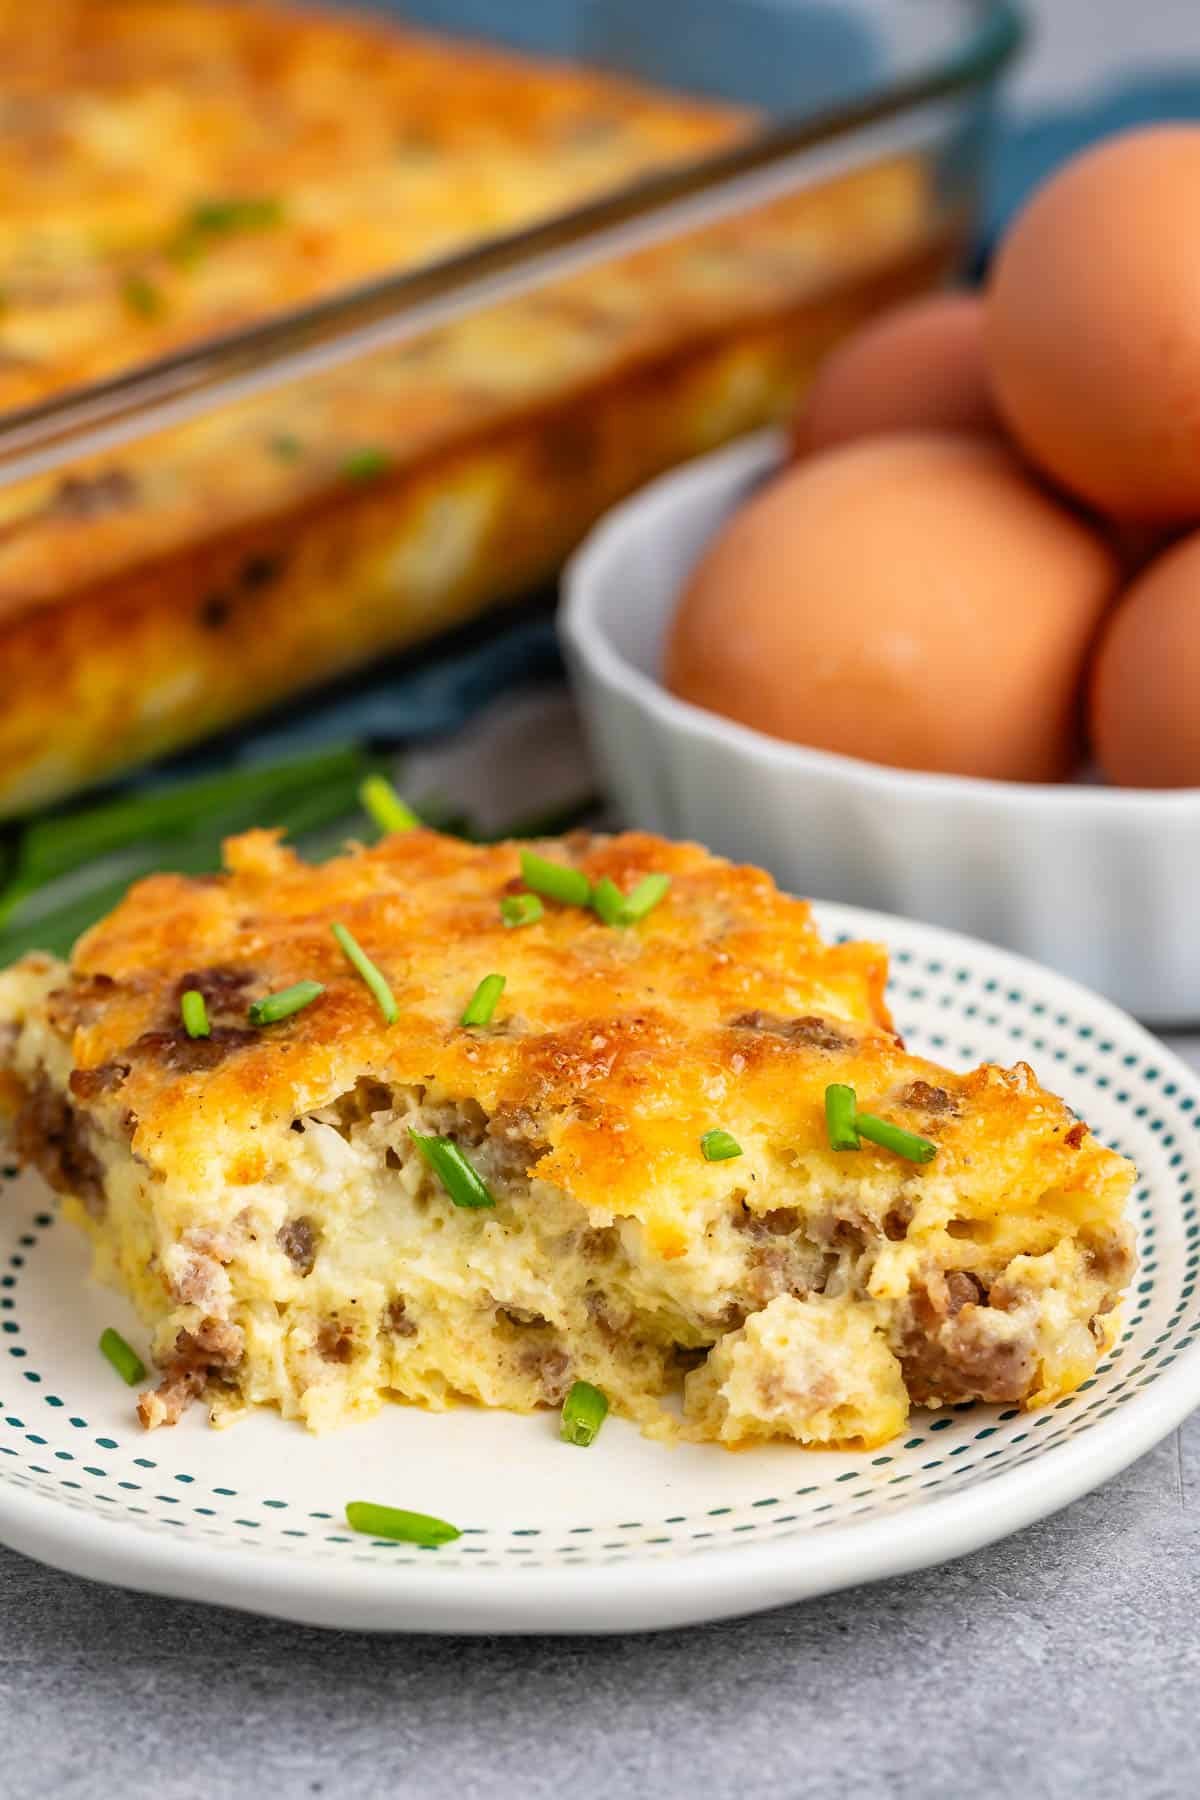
x: 623, y: 1174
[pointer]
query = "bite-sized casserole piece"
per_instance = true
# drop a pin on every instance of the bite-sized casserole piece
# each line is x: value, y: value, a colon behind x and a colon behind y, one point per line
x: 267, y: 1197
x: 173, y: 171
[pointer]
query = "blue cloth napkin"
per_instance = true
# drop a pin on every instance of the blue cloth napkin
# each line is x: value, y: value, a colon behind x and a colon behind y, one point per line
x: 414, y: 699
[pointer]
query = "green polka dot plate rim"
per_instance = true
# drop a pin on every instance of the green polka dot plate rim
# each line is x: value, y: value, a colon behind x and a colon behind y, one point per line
x: 628, y: 1534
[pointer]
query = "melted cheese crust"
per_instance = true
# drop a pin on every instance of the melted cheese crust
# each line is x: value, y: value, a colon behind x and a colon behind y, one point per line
x: 631, y: 1020
x: 584, y: 1102
x: 367, y: 146
x: 182, y: 582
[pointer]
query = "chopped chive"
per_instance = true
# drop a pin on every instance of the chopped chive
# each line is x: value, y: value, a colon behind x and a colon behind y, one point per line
x: 394, y: 1522
x: 358, y: 959
x: 840, y: 1106
x: 186, y: 247
x: 616, y: 908
x: 893, y: 1137
x: 483, y: 1001
x: 465, y: 1186
x: 520, y: 909
x: 289, y: 1000
x: 645, y: 897
x: 608, y: 901
x: 194, y: 1013
x: 584, y: 1411
x: 247, y: 212
x: 124, y: 1359
x: 847, y: 1125
x: 286, y: 446
x: 385, y: 806
x: 719, y: 1146
x: 365, y: 464
x: 558, y: 881
x: 142, y: 297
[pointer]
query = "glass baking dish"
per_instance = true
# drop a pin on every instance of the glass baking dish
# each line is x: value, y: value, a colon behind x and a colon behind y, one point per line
x: 188, y: 541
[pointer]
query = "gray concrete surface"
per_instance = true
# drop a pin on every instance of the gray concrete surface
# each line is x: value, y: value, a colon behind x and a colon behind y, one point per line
x: 1064, y: 1662
x: 1077, y: 45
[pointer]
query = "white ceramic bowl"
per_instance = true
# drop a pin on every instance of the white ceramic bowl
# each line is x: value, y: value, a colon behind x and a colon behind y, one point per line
x: 1100, y: 883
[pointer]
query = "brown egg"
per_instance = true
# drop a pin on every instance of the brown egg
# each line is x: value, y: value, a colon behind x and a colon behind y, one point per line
x: 918, y: 368
x: 1093, y: 326
x: 914, y: 600
x: 1145, y: 687
x: 1138, y: 545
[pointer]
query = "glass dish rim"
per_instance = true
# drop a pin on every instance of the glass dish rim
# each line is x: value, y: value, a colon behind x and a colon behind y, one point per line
x: 42, y: 437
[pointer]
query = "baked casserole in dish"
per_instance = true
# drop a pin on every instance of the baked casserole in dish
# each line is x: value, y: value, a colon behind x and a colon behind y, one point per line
x: 625, y: 1170
x: 173, y: 173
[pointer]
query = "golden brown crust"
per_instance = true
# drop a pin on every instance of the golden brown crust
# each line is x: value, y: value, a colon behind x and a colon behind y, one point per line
x: 260, y: 1193
x: 598, y: 1016
x: 123, y: 117
x: 160, y: 582
x: 619, y: 1048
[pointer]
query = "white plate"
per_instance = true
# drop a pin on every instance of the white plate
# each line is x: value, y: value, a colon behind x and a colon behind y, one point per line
x: 627, y: 1534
